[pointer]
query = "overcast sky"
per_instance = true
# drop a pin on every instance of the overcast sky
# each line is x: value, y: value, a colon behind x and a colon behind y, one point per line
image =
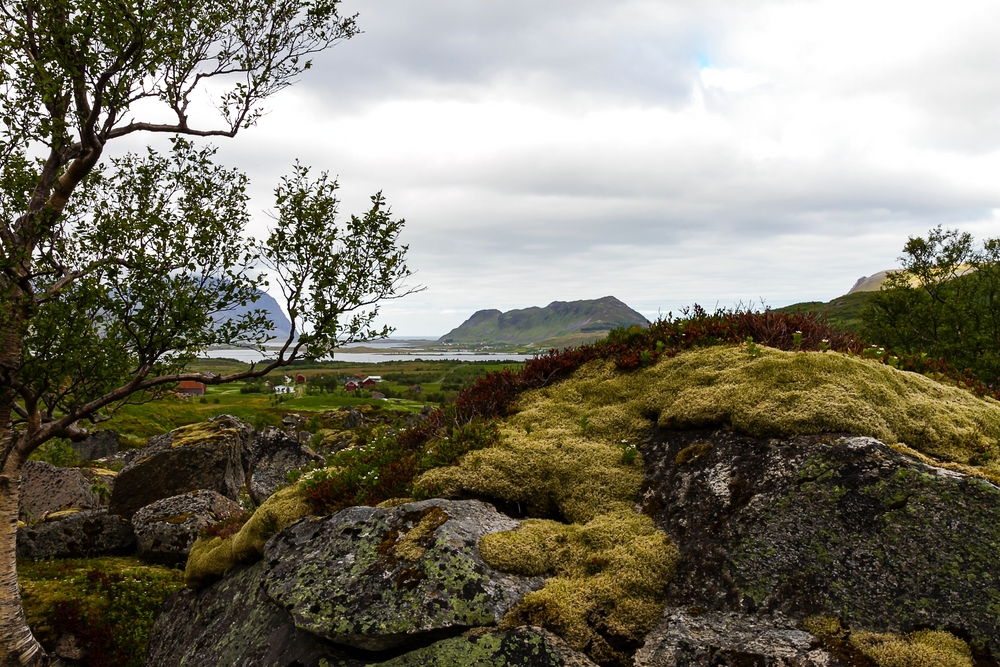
x: 662, y: 152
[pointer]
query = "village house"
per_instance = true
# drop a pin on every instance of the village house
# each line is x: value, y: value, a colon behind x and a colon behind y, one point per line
x: 190, y: 388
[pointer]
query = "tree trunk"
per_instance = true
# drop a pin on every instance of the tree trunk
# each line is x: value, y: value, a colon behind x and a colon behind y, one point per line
x: 18, y: 647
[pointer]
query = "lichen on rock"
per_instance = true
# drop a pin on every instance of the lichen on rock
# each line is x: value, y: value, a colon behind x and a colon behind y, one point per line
x: 378, y: 578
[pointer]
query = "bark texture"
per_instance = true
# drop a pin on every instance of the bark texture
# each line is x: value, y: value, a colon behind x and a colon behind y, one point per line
x: 18, y: 647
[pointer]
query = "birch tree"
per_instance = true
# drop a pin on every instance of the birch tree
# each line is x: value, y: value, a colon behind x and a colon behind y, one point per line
x: 115, y: 273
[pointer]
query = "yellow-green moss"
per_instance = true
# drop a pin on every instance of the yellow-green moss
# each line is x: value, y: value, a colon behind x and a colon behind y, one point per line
x: 394, y: 502
x: 926, y: 648
x: 212, y: 557
x: 614, y: 568
x: 196, y: 434
x: 692, y: 453
x: 62, y: 513
x: 822, y: 626
x: 556, y: 467
x: 410, y: 547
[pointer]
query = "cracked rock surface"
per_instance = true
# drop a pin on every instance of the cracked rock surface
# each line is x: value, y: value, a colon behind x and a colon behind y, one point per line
x: 685, y: 639
x: 844, y: 526
x: 166, y: 529
x: 377, y: 578
x: 365, y: 586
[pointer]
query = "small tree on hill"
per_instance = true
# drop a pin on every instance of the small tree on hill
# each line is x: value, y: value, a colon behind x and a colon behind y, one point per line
x: 112, y: 279
x: 944, y: 302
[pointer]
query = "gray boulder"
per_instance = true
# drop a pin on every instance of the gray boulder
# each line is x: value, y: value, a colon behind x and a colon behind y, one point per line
x: 97, y: 445
x: 272, y: 455
x: 354, y: 418
x: 685, y: 639
x: 490, y: 647
x: 83, y: 534
x: 377, y: 579
x: 840, y: 526
x: 210, y: 455
x: 166, y: 529
x: 234, y: 624
x: 46, y: 489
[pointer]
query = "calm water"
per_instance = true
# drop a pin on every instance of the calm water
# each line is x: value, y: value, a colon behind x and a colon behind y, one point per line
x: 375, y: 357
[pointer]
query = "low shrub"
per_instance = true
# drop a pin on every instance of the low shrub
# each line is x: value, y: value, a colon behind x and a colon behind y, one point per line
x: 108, y: 603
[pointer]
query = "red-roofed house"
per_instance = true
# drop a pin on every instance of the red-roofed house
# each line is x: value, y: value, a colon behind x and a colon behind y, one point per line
x: 191, y: 388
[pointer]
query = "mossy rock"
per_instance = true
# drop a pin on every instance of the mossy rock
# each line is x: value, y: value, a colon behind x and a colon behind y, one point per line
x: 517, y: 647
x: 233, y: 622
x: 209, y: 455
x: 560, y: 453
x: 842, y: 527
x: 211, y: 558
x: 377, y: 579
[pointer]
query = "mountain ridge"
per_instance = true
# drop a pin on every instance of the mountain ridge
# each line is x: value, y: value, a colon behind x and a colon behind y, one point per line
x: 586, y: 318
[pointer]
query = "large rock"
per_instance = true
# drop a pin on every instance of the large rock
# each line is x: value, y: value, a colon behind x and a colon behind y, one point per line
x: 46, y: 489
x: 77, y: 534
x: 166, y: 529
x: 272, y: 455
x: 234, y: 624
x: 210, y: 455
x: 97, y: 445
x: 517, y: 647
x: 842, y: 526
x: 685, y: 639
x: 377, y: 579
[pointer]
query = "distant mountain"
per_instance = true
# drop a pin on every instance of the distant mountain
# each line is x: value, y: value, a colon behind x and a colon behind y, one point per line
x: 266, y: 303
x: 572, y: 322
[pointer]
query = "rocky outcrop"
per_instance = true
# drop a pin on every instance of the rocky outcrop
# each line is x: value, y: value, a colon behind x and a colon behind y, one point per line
x: 46, y: 489
x: 377, y: 578
x: 692, y: 638
x: 272, y: 455
x: 166, y: 529
x: 517, y: 647
x: 97, y: 445
x: 842, y: 526
x: 210, y: 455
x: 389, y: 582
x: 76, y: 534
x: 233, y: 623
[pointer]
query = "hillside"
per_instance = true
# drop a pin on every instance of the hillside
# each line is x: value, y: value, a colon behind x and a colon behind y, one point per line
x: 842, y: 312
x: 583, y: 321
x: 266, y: 303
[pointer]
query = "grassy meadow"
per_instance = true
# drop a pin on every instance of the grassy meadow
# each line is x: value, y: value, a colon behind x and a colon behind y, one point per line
x: 440, y: 381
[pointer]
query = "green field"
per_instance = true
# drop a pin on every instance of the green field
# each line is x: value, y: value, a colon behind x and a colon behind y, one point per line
x: 440, y: 382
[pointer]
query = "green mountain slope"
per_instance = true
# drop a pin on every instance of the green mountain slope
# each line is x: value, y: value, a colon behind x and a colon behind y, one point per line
x: 582, y: 320
x: 841, y: 312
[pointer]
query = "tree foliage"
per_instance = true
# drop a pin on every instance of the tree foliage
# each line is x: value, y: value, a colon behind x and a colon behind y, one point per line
x: 114, y: 274
x: 944, y: 302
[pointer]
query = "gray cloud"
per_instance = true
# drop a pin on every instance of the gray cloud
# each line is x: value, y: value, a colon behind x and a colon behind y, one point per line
x: 562, y: 150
